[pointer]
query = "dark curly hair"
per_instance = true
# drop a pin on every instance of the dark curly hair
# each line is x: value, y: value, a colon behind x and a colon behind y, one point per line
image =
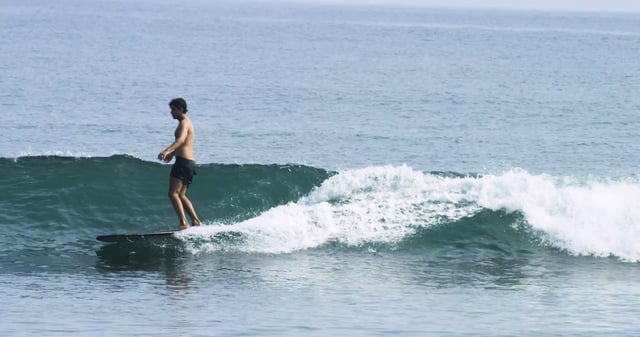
x: 179, y: 103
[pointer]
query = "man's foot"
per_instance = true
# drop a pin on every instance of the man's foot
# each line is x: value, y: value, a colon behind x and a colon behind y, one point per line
x: 195, y: 223
x: 181, y: 227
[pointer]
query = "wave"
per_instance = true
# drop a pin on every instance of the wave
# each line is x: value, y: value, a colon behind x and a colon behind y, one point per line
x: 72, y: 196
x: 286, y: 208
x: 404, y: 208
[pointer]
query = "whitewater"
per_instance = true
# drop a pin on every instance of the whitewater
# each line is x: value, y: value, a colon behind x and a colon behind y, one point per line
x: 582, y: 216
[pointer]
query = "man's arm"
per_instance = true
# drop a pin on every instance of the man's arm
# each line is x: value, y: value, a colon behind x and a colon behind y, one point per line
x: 181, y: 138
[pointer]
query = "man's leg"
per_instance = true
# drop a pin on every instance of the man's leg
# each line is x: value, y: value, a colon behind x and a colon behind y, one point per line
x: 186, y: 205
x: 175, y: 188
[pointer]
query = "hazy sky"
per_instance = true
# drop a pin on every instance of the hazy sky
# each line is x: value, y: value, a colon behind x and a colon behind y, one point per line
x: 577, y: 5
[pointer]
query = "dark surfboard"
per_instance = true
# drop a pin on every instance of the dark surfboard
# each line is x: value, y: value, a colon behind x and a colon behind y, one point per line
x: 134, y: 237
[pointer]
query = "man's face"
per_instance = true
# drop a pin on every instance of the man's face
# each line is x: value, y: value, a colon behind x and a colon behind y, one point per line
x: 175, y: 112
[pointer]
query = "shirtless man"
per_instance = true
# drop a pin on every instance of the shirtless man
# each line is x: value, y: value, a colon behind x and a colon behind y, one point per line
x: 184, y: 167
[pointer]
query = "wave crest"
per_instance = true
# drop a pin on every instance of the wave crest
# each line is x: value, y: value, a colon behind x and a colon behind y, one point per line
x: 393, y: 205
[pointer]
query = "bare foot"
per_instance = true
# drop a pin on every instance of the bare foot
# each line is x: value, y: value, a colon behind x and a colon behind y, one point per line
x: 181, y: 227
x: 196, y: 223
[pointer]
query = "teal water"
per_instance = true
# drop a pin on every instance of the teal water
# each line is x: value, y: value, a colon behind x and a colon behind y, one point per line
x: 362, y: 171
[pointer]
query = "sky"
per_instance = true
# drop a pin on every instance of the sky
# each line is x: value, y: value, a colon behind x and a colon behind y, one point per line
x: 571, y: 5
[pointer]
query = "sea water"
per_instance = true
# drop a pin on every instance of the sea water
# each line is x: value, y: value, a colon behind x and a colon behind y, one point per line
x: 362, y: 170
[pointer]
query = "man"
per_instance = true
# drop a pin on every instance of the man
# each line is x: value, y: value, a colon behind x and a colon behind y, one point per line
x: 184, y: 167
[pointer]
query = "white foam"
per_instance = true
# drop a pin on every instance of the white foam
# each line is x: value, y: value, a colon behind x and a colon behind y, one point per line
x: 377, y: 204
x: 588, y: 216
x: 56, y: 153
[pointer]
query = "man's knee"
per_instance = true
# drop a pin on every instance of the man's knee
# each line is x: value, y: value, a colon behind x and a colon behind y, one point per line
x: 183, y: 197
x: 174, y: 194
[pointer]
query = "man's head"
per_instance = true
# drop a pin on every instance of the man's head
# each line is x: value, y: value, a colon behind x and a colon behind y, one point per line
x: 178, y: 106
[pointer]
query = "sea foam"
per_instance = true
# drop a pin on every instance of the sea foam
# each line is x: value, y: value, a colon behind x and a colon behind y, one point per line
x: 582, y: 216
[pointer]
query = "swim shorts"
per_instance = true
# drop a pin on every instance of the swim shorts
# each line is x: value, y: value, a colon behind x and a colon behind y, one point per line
x: 183, y: 169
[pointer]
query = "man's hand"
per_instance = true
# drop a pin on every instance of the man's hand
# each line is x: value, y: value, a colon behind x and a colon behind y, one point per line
x: 164, y: 156
x: 168, y: 157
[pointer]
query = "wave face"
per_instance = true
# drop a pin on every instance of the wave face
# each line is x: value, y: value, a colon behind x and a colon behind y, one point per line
x: 61, y: 203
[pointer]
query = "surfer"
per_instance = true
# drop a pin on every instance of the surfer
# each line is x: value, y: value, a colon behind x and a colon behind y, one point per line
x: 184, y: 167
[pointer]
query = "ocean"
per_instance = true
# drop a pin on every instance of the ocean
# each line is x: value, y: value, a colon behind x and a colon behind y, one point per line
x: 361, y: 170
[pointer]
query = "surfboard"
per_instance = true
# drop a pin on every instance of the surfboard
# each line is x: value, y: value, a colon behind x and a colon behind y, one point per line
x: 133, y: 237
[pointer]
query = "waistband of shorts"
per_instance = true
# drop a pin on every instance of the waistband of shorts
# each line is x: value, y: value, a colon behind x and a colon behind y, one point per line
x: 184, y: 160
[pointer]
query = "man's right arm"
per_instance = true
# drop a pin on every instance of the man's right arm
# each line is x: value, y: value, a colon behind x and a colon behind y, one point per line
x: 181, y: 137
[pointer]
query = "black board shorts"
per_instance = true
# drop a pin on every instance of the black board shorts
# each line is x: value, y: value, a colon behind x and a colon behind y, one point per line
x: 183, y: 169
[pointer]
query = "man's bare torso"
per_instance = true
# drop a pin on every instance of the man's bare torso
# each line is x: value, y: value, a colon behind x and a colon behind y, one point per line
x: 186, y: 149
